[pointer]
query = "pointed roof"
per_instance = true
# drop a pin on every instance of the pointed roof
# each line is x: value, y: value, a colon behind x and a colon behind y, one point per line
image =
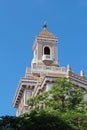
x: 45, y: 33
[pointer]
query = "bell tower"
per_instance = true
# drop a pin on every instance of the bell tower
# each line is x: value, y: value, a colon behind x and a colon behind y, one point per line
x: 45, y: 50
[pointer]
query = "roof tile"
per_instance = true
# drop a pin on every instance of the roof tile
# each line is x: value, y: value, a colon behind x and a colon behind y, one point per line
x: 46, y: 34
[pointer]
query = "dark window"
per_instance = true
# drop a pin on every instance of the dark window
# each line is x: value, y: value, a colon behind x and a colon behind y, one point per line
x: 47, y: 51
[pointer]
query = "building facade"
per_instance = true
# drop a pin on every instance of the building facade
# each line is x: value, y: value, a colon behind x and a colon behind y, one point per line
x: 44, y: 68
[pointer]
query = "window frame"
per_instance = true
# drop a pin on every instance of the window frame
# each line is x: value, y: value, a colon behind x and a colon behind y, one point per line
x: 25, y: 99
x: 49, y: 49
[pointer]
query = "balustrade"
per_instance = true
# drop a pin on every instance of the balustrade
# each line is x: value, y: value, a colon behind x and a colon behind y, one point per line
x: 48, y: 68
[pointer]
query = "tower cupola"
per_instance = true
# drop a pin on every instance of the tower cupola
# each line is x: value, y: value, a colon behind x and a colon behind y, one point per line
x: 45, y: 49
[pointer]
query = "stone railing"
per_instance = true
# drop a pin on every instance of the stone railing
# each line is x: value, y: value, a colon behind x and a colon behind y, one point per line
x: 47, y: 57
x: 54, y: 69
x: 72, y: 74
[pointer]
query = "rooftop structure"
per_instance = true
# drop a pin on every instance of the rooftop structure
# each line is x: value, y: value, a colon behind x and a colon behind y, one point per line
x: 44, y: 68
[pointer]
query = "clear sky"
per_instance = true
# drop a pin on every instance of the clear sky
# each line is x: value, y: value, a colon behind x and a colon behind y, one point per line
x: 21, y: 21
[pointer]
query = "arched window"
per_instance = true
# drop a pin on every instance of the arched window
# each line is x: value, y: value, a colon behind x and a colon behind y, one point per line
x: 28, y: 94
x: 46, y: 50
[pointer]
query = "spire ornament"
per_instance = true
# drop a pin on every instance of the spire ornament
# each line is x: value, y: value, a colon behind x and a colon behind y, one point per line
x: 69, y: 68
x: 45, y: 25
x: 82, y: 73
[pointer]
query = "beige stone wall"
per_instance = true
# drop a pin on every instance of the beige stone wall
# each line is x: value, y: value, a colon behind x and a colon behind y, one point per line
x: 21, y: 106
x: 40, y: 51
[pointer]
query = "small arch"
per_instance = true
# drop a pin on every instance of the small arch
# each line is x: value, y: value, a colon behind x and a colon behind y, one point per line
x: 46, y: 50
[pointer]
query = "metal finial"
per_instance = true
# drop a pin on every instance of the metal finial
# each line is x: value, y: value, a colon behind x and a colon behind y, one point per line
x: 45, y: 25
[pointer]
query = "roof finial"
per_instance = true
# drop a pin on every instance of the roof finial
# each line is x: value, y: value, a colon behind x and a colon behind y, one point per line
x: 68, y: 68
x: 82, y: 73
x: 45, y: 25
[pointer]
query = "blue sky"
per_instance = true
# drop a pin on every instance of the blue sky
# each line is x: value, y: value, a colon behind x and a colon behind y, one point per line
x: 21, y: 21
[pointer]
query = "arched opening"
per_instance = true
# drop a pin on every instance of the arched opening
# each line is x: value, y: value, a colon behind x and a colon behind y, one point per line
x: 46, y: 50
x: 46, y: 58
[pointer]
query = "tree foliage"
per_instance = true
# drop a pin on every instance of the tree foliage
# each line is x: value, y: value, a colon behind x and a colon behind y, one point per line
x: 61, y: 108
x: 35, y: 120
x: 63, y: 96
